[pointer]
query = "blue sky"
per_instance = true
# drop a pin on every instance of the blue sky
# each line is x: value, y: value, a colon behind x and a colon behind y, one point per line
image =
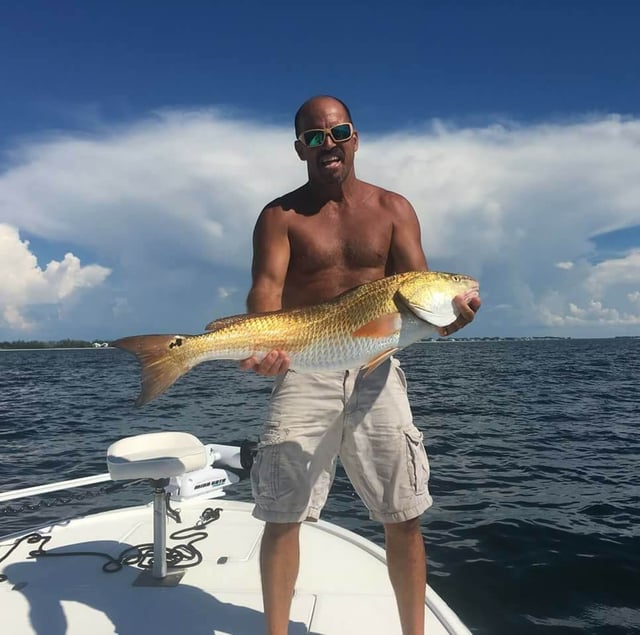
x: 138, y: 142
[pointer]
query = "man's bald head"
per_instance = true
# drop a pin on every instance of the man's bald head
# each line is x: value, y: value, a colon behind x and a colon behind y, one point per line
x: 314, y: 102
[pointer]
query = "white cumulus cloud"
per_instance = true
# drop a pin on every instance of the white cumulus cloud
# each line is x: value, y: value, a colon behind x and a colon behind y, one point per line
x: 24, y: 284
x: 168, y: 203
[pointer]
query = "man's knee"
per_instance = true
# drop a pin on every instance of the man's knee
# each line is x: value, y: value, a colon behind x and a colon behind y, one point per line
x: 277, y: 531
x: 404, y: 528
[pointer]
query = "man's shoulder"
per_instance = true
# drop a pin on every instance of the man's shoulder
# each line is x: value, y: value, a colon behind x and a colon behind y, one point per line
x: 290, y: 201
x: 387, y: 199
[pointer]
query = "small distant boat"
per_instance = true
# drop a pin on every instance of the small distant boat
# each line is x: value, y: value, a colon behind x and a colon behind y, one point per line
x: 188, y: 562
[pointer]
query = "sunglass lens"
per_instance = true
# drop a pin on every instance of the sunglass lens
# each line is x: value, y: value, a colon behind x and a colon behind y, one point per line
x: 313, y: 138
x: 341, y: 132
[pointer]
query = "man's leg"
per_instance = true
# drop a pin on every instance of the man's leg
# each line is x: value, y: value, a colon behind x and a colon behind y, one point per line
x: 408, y: 572
x: 279, y: 562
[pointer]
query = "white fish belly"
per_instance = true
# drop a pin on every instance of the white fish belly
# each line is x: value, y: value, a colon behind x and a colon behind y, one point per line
x: 341, y: 355
x: 354, y: 352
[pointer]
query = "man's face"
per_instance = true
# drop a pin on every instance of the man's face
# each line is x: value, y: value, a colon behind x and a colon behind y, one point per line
x: 329, y: 162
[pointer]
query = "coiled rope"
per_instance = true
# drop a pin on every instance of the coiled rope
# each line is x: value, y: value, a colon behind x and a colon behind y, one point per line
x: 179, y: 556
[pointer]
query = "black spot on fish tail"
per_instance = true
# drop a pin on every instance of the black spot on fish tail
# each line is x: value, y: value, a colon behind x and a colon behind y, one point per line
x: 178, y: 341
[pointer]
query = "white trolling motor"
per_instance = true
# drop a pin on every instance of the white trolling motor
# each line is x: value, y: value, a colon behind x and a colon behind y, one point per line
x: 210, y: 481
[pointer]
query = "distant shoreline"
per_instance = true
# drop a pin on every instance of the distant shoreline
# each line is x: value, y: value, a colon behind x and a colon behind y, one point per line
x: 40, y: 345
x: 57, y: 348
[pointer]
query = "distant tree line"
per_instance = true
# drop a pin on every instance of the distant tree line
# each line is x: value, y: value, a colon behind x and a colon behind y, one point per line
x: 38, y: 344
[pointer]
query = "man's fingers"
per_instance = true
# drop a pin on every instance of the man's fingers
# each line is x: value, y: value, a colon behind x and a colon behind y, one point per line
x: 248, y: 364
x: 265, y: 367
x: 474, y: 303
x: 274, y: 363
x: 467, y: 308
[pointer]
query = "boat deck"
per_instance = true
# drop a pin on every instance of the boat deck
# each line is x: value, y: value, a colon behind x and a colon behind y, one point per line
x: 342, y: 588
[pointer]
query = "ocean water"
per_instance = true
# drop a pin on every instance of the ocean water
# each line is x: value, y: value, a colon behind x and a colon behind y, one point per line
x: 534, y: 449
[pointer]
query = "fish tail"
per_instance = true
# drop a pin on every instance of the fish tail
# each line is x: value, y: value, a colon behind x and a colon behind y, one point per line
x: 162, y: 359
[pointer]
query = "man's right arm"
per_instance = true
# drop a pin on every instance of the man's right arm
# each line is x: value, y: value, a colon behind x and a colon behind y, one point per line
x: 271, y: 252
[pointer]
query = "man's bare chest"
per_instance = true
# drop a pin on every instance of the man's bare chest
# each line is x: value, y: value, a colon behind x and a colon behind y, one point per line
x: 344, y: 243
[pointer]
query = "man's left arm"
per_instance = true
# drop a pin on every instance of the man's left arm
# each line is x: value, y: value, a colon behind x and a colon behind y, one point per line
x: 407, y: 255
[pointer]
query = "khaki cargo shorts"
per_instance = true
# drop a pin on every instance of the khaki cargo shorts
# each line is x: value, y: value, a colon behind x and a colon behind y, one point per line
x: 366, y: 421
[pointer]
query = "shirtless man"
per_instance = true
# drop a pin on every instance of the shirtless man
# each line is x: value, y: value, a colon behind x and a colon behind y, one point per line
x: 330, y: 235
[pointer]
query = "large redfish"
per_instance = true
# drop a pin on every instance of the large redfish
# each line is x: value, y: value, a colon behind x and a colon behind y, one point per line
x: 360, y: 328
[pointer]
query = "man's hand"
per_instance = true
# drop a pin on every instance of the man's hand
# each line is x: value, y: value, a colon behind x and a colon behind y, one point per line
x: 468, y: 308
x: 275, y: 363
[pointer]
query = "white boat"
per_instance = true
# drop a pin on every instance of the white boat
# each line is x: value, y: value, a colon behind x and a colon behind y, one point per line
x: 198, y: 576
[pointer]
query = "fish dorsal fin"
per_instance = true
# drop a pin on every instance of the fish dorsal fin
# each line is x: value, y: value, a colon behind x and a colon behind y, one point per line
x: 230, y: 320
x: 440, y: 314
x: 373, y: 363
x: 222, y: 323
x: 383, y: 326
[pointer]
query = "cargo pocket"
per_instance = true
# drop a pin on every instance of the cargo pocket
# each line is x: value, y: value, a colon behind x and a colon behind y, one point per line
x: 417, y: 462
x: 265, y: 475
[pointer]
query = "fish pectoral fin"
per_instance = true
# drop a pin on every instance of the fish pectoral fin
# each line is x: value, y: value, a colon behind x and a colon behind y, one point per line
x: 373, y: 363
x: 382, y: 326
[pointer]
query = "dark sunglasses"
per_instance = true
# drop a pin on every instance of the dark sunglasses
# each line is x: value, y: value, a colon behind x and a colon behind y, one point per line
x: 315, y: 137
